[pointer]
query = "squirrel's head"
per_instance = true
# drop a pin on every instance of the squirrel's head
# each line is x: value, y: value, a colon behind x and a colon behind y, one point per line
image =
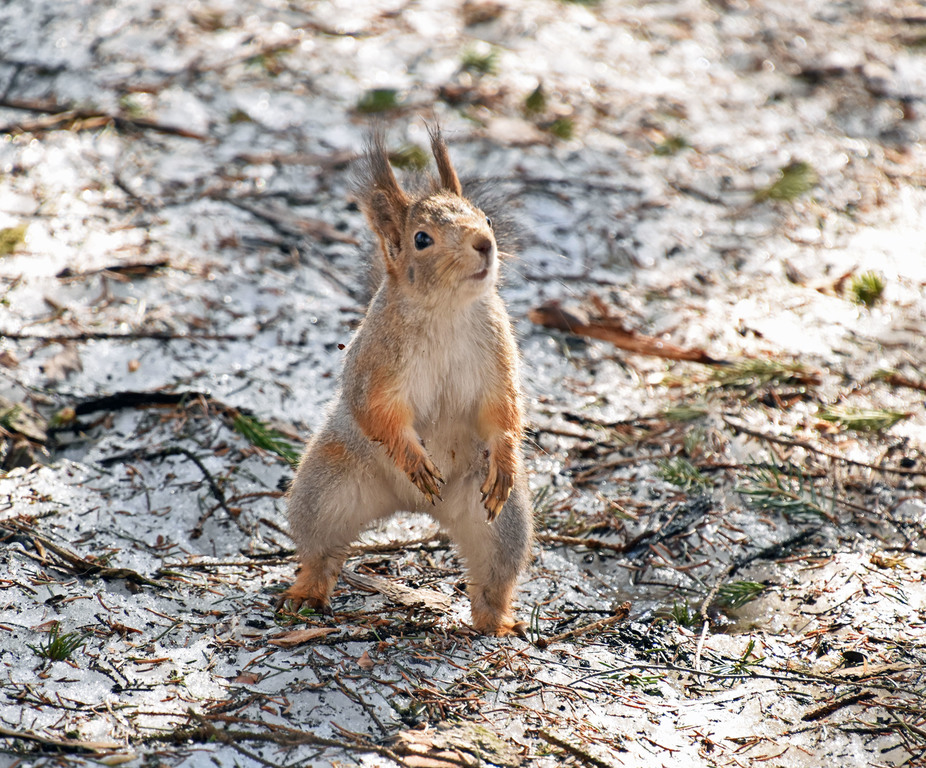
x: 437, y: 244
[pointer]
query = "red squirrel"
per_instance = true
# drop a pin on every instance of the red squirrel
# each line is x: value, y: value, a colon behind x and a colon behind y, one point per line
x: 428, y: 416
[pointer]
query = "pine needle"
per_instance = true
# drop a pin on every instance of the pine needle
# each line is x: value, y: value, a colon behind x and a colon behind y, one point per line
x: 759, y: 372
x: 262, y: 436
x: 769, y: 490
x: 737, y: 593
x: 681, y: 472
x: 862, y: 419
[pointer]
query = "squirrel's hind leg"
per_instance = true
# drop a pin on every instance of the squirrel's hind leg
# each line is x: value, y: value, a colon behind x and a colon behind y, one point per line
x: 330, y: 502
x: 495, y: 555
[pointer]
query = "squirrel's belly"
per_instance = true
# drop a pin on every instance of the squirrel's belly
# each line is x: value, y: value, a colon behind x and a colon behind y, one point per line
x: 454, y: 446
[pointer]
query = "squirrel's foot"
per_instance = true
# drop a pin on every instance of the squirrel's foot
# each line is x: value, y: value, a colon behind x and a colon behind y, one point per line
x: 426, y: 477
x: 498, y: 625
x: 311, y: 589
x: 490, y: 604
x: 495, y: 490
x: 293, y: 603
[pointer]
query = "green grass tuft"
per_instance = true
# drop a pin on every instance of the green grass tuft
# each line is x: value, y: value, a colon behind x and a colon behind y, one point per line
x: 758, y: 372
x: 744, y: 664
x: 867, y: 288
x: 58, y: 647
x: 737, y: 593
x: 671, y: 145
x: 480, y: 62
x: 9, y: 416
x: 684, y: 413
x: 769, y: 490
x: 536, y: 101
x: 683, y: 615
x: 563, y: 128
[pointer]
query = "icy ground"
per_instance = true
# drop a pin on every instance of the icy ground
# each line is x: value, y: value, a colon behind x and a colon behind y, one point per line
x: 180, y: 261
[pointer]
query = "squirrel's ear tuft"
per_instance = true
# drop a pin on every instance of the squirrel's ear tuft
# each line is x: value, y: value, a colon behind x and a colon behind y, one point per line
x: 381, y: 199
x: 448, y: 176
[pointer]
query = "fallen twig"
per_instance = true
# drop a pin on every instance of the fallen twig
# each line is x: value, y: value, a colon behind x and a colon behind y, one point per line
x: 621, y: 614
x: 130, y: 269
x: 572, y: 749
x: 58, y: 114
x: 793, y: 442
x: 176, y: 450
x: 825, y: 710
x: 113, y: 335
x: 61, y: 745
x: 87, y: 567
x: 205, y: 731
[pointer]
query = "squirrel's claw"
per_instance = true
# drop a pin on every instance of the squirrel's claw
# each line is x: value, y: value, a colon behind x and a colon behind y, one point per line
x: 495, y: 491
x: 427, y: 479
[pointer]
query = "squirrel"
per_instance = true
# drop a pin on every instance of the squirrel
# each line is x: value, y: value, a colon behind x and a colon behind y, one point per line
x: 428, y: 416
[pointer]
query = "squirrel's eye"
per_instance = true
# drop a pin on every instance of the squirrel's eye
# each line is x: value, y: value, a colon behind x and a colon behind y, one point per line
x: 489, y: 222
x: 423, y: 240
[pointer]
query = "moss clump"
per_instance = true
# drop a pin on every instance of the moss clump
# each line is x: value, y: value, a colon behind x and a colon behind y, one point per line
x: 795, y: 179
x: 480, y: 62
x: 378, y: 100
x: 409, y: 157
x: 11, y: 237
x: 536, y: 101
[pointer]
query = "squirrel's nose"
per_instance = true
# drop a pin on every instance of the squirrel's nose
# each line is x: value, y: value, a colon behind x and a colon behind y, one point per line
x: 483, y: 246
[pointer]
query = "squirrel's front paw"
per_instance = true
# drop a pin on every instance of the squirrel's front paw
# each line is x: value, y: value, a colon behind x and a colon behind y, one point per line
x: 426, y: 477
x: 495, y: 490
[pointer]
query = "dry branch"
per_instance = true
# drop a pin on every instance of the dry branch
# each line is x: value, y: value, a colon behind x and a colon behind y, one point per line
x: 572, y: 749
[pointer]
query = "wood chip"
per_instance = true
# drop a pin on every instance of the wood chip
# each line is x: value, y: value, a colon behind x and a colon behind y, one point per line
x: 299, y: 636
x: 413, y: 598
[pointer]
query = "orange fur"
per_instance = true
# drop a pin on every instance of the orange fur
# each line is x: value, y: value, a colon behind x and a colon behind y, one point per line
x: 388, y: 419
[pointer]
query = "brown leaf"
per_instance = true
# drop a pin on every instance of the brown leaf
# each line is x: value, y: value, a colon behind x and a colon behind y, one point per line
x: 61, y: 365
x: 299, y: 636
